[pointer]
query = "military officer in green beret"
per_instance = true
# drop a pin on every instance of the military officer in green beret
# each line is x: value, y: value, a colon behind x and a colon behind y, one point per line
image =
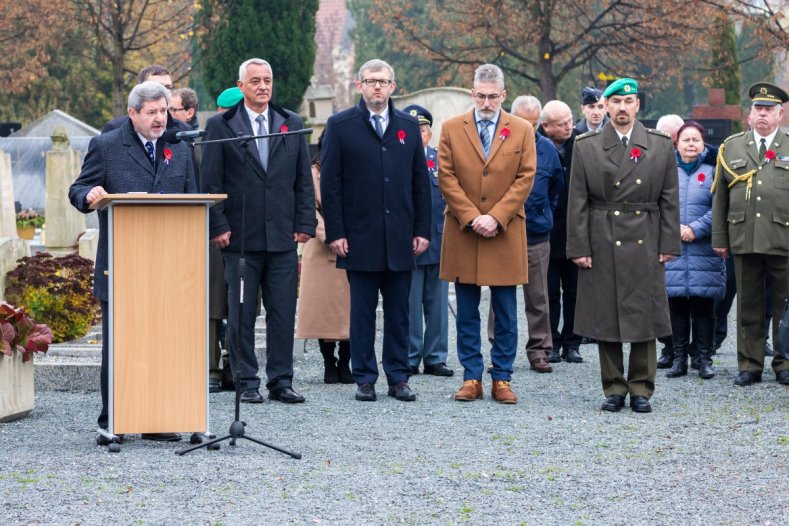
x: 622, y: 226
x: 750, y: 221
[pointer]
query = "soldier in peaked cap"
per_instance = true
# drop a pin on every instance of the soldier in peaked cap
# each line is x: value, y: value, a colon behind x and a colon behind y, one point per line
x: 428, y: 301
x: 593, y: 109
x: 622, y: 226
x: 750, y: 221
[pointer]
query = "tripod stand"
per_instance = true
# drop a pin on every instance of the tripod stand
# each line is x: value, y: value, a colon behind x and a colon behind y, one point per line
x: 237, y: 428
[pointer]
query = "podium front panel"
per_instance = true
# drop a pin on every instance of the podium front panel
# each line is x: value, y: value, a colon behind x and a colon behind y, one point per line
x: 159, y: 306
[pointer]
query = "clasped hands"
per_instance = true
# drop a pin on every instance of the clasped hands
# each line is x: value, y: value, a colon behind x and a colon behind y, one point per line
x: 485, y: 225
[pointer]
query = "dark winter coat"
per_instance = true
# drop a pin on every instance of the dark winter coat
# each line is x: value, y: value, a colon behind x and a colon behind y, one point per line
x: 544, y: 197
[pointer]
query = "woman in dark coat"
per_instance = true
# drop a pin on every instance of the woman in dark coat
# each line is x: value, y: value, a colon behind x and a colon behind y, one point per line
x: 698, y: 277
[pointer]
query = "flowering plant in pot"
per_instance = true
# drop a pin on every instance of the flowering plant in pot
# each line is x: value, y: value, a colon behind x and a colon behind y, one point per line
x: 18, y: 332
x: 27, y: 221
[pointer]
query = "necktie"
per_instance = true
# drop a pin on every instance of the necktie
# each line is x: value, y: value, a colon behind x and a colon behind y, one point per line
x: 762, y: 149
x: 624, y: 140
x: 151, y: 154
x: 262, y: 143
x: 484, y: 136
x: 377, y: 125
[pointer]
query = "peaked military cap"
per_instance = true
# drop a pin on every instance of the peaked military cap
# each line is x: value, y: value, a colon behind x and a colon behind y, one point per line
x: 229, y: 98
x: 766, y: 94
x: 590, y: 95
x: 623, y: 86
x: 421, y: 114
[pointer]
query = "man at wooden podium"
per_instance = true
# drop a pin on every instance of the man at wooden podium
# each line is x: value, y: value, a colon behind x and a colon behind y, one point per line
x: 131, y: 158
x: 270, y: 207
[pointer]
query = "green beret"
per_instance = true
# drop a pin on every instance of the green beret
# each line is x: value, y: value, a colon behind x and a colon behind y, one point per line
x: 623, y: 86
x: 766, y: 94
x: 229, y: 98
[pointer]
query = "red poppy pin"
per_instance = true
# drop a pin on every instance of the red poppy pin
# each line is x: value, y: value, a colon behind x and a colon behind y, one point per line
x: 505, y: 132
x: 401, y: 136
x: 283, y: 129
x: 769, y: 155
x: 168, y: 154
x: 635, y: 153
x: 701, y: 178
x: 431, y: 164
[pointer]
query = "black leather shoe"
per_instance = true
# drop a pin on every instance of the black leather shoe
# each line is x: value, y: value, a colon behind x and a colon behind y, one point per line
x: 214, y: 385
x: 573, y: 356
x: 286, y: 395
x: 746, y: 378
x: 366, y: 393
x: 162, y: 437
x: 439, y: 369
x: 554, y: 356
x: 413, y: 371
x: 402, y: 392
x: 782, y: 377
x: 768, y: 349
x: 251, y: 396
x: 640, y: 404
x: 613, y: 403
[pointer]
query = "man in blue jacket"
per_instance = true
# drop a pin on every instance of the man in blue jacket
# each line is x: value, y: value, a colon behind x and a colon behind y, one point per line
x: 540, y: 208
x: 429, y: 297
x: 376, y: 206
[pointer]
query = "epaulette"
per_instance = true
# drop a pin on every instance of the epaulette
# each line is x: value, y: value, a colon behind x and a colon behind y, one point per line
x: 658, y: 132
x: 735, y: 135
x: 587, y: 134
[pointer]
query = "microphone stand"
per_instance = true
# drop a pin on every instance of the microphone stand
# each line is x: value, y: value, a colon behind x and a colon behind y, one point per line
x: 237, y: 428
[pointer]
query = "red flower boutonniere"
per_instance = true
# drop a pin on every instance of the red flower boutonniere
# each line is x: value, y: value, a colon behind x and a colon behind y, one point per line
x: 701, y: 179
x: 635, y: 153
x: 505, y: 132
x: 283, y: 129
x: 401, y: 136
x: 168, y: 154
x: 431, y: 164
x: 769, y: 155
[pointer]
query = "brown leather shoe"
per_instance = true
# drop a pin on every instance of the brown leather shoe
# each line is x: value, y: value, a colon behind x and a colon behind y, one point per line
x: 502, y: 392
x: 470, y: 390
x: 541, y: 365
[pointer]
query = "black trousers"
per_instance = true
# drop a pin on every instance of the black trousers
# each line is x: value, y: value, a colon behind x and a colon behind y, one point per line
x: 103, y: 419
x: 275, y: 276
x: 562, y: 287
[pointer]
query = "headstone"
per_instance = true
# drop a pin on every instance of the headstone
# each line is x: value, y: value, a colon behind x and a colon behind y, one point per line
x: 89, y: 244
x: 7, y: 208
x: 12, y: 249
x: 442, y: 103
x: 64, y: 223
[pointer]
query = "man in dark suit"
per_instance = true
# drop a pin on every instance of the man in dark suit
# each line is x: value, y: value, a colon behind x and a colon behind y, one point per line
x: 376, y: 205
x: 131, y: 158
x: 270, y: 208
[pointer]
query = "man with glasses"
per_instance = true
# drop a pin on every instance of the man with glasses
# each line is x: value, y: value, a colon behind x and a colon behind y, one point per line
x: 750, y: 221
x: 557, y: 124
x: 376, y: 207
x: 486, y: 160
x: 183, y: 106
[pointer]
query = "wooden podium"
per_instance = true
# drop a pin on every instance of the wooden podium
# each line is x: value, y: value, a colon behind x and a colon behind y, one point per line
x: 158, y: 300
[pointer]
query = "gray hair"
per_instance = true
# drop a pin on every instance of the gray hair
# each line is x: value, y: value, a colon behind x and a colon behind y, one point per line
x: 146, y: 91
x: 242, y: 69
x: 376, y: 64
x: 489, y: 73
x: 669, y: 123
x: 526, y: 102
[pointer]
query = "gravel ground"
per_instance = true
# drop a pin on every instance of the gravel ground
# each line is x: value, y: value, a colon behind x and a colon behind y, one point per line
x: 711, y: 453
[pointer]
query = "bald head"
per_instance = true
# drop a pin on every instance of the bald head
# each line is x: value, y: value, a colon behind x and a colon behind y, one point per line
x: 557, y: 121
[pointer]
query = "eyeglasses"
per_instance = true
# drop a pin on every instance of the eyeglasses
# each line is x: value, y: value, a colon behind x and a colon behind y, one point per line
x: 371, y: 83
x: 493, y: 97
x: 176, y: 110
x: 168, y: 86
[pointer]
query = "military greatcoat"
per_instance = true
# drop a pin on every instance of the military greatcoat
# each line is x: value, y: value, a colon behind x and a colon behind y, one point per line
x: 756, y: 220
x: 623, y: 210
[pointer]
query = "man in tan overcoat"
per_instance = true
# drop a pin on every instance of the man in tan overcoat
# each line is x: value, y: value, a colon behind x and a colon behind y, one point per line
x: 487, y: 161
x: 622, y: 226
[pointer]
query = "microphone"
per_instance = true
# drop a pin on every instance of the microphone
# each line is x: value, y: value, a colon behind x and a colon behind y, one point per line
x: 174, y: 136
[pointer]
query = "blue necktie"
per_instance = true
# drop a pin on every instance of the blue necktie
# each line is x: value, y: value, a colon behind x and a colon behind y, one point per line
x: 151, y: 154
x: 377, y: 124
x: 484, y: 136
